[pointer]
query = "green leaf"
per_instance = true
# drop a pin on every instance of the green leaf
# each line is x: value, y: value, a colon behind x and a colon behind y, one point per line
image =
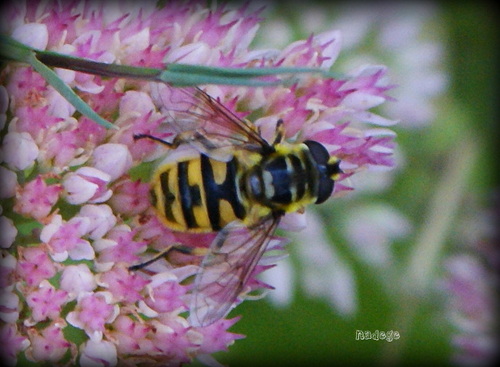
x: 173, y: 74
x: 51, y: 77
x: 12, y: 50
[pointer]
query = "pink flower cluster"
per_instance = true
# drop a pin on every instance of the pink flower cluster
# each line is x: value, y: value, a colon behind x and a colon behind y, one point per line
x: 80, y: 218
x: 472, y: 306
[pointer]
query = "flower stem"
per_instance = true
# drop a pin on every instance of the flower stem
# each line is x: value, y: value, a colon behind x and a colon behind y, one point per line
x: 12, y: 50
x: 423, y: 263
x: 59, y: 85
x: 175, y: 74
x: 55, y: 59
x: 424, y: 260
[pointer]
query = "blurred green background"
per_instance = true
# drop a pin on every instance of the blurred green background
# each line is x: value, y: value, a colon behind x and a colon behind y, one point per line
x: 309, y: 331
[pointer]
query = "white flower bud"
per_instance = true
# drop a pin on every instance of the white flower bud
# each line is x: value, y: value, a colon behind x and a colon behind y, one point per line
x: 19, y: 150
x: 8, y: 232
x: 35, y: 35
x: 87, y: 184
x: 114, y: 159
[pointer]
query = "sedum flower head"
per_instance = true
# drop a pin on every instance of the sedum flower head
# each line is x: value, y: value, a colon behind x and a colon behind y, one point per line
x: 406, y: 36
x: 470, y: 283
x: 68, y: 295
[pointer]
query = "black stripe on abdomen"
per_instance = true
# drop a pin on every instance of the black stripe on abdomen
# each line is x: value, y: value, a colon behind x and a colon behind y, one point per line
x: 211, y: 192
x: 168, y: 197
x: 229, y: 189
x: 214, y: 192
x: 189, y: 195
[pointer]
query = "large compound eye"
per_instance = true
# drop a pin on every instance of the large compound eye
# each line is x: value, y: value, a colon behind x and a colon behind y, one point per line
x: 321, y: 157
x: 325, y: 189
x: 318, y: 151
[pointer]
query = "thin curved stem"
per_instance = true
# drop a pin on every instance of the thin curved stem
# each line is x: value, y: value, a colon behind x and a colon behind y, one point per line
x: 424, y: 261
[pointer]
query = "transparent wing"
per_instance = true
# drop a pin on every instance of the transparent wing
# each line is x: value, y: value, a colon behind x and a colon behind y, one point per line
x: 226, y: 268
x: 205, y: 123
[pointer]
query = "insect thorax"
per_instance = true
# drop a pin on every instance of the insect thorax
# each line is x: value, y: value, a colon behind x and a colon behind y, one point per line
x: 283, y: 181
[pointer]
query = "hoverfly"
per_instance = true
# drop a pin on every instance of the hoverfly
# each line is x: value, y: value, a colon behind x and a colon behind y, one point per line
x: 237, y: 184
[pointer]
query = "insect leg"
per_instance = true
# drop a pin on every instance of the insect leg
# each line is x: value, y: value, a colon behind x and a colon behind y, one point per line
x: 181, y: 138
x: 147, y: 136
x: 197, y: 251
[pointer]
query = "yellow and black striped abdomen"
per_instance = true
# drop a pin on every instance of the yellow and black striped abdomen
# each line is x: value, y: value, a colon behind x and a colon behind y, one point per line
x: 198, y: 195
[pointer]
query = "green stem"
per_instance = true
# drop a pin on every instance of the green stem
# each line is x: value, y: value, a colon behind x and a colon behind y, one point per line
x: 12, y: 50
x: 424, y: 261
x: 174, y: 74
x: 427, y: 252
x: 55, y: 59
